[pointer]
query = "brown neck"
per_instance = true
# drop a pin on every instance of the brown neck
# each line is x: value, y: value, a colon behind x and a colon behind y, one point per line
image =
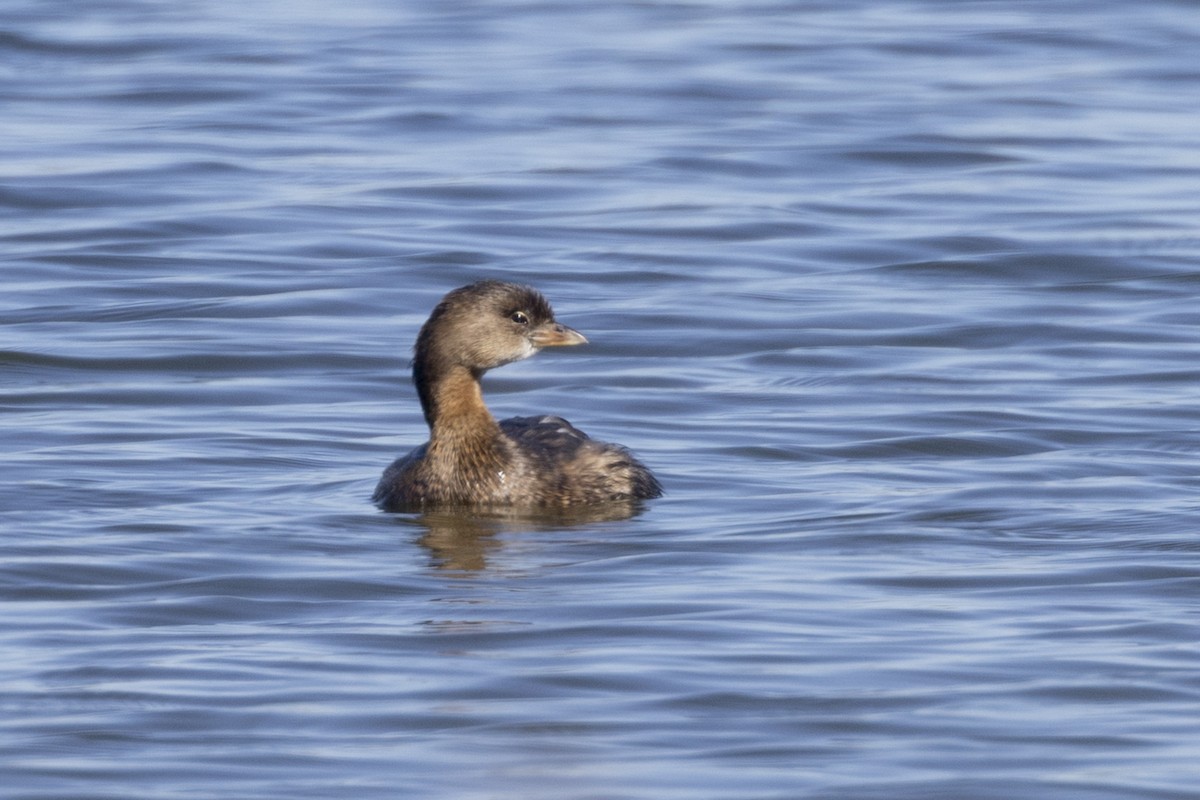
x: 455, y: 401
x: 460, y: 423
x: 465, y: 454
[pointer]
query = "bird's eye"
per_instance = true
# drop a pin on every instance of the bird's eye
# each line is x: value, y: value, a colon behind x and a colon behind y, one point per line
x: 519, y: 317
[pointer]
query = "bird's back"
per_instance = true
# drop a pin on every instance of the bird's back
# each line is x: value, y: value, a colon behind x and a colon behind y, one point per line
x: 574, y: 468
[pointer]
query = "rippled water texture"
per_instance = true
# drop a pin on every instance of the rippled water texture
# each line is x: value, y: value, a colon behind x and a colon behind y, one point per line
x: 899, y: 299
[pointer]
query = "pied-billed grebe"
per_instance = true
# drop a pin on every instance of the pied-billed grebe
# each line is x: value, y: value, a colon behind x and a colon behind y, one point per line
x: 473, y: 460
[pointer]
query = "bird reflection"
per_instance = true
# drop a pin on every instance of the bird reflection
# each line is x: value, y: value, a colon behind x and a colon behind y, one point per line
x: 464, y: 542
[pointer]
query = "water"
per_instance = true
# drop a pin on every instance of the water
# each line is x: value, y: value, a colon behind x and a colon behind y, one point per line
x: 899, y: 299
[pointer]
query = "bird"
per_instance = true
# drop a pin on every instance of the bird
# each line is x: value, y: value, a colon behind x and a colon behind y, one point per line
x: 471, y: 460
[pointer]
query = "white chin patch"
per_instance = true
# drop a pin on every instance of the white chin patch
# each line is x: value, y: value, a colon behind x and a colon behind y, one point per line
x: 527, y: 349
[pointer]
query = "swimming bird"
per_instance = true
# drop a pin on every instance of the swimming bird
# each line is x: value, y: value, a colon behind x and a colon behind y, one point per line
x: 471, y: 460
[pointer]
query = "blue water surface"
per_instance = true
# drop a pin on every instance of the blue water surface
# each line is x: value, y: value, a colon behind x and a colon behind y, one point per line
x: 900, y: 300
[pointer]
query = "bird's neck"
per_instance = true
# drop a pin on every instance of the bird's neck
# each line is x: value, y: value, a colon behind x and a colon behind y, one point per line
x: 459, y: 420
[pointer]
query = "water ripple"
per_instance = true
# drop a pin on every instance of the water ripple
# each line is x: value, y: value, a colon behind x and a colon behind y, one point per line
x: 900, y: 305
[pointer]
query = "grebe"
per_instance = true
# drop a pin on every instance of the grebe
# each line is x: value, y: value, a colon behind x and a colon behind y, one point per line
x: 471, y: 460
